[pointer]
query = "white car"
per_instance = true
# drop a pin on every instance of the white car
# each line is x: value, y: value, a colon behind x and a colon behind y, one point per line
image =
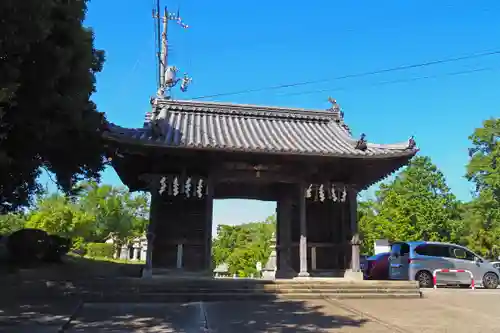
x: 496, y: 264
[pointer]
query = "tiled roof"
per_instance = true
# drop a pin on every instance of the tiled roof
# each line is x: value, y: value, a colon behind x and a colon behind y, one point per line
x: 248, y: 128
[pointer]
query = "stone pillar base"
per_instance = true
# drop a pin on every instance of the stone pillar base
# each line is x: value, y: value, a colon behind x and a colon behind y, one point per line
x: 147, y: 273
x: 268, y: 275
x: 353, y: 275
x: 303, y: 274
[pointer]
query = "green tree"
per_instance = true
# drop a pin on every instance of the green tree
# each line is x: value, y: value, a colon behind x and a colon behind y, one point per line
x: 115, y: 210
x: 97, y: 212
x: 242, y: 246
x: 484, y: 172
x: 369, y: 228
x: 417, y: 205
x: 47, y: 75
x: 57, y: 215
x: 11, y: 222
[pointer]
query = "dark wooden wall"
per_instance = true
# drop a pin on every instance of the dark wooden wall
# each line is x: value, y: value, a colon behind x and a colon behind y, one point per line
x: 178, y: 219
x: 327, y: 223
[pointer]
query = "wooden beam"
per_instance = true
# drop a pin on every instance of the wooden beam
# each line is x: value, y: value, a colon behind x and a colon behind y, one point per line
x: 254, y: 177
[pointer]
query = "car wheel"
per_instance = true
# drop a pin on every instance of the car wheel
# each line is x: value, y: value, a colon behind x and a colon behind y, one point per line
x: 490, y: 280
x: 424, y: 279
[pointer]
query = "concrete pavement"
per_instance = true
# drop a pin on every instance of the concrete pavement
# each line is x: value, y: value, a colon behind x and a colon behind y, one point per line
x: 34, y: 318
x: 222, y: 317
x: 441, y: 311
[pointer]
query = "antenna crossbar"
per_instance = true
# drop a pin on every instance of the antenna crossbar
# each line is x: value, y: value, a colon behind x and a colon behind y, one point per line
x: 167, y: 74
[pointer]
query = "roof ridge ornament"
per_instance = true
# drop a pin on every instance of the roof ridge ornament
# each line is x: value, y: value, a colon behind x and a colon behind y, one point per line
x: 336, y: 108
x: 339, y: 114
x: 412, y: 144
x: 362, y: 144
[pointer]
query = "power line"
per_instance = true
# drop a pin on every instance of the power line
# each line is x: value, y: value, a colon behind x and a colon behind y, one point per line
x: 471, y: 71
x: 349, y: 76
x: 213, y: 139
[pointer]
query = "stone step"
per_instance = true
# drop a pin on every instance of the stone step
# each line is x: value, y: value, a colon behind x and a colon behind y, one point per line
x: 321, y: 291
x: 136, y: 289
x: 214, y: 284
x: 105, y: 286
x: 243, y: 291
x: 215, y: 295
x: 270, y: 290
x: 208, y: 289
x: 220, y: 297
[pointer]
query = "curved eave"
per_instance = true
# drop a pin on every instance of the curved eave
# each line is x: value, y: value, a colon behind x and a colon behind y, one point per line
x: 372, y: 175
x: 373, y: 151
x: 127, y: 172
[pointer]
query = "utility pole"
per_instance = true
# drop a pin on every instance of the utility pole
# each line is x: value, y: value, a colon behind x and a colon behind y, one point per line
x: 167, y: 74
x: 164, y: 50
x: 156, y: 17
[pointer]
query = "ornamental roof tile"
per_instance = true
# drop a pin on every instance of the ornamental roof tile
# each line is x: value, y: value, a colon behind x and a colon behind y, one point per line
x: 256, y: 129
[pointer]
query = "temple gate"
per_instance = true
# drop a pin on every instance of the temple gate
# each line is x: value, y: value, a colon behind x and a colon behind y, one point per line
x: 191, y: 153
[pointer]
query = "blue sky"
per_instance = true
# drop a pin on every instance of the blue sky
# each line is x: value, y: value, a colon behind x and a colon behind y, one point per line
x: 233, y: 45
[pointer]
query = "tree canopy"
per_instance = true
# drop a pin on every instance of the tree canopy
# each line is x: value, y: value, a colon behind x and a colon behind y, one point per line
x: 242, y: 246
x: 483, y: 170
x: 47, y: 76
x: 418, y: 205
x: 92, y: 216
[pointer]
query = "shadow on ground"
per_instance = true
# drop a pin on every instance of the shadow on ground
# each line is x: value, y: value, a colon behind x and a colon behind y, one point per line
x: 221, y: 317
x: 28, y: 304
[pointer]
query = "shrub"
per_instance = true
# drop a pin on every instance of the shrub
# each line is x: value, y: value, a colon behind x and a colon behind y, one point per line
x: 4, y: 253
x: 100, y: 250
x: 57, y: 247
x: 78, y: 246
x: 28, y: 245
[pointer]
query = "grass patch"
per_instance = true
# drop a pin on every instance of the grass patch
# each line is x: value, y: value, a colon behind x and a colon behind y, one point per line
x: 73, y: 267
x: 117, y: 261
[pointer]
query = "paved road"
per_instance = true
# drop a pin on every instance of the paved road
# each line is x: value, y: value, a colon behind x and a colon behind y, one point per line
x: 226, y: 317
x: 442, y: 310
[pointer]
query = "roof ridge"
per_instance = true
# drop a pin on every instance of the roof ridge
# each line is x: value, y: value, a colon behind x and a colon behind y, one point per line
x: 251, y: 108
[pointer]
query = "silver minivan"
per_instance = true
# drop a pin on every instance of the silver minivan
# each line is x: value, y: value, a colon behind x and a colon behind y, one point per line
x: 418, y: 261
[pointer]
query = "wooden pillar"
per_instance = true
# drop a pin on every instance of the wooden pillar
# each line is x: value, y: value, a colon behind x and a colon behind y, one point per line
x: 279, y: 234
x: 284, y: 239
x: 355, y: 240
x: 209, y: 221
x: 303, y: 232
x: 313, y: 258
x: 147, y: 271
x: 340, y: 238
x: 180, y: 255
